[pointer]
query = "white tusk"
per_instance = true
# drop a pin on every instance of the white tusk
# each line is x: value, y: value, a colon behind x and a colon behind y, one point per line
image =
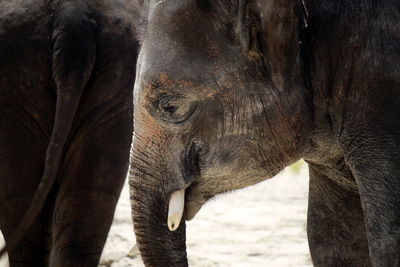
x: 175, y: 209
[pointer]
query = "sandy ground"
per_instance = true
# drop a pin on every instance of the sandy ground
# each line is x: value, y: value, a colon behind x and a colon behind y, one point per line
x: 263, y: 225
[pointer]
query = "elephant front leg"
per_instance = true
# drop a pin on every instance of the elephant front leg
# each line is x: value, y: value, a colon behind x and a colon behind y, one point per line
x: 378, y: 179
x: 336, y: 232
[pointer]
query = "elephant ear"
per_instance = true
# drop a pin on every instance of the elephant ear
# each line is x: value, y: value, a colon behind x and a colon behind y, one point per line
x: 274, y: 37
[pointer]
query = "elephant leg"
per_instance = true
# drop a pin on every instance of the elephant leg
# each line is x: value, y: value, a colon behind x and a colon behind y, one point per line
x: 92, y: 177
x: 33, y: 250
x: 21, y: 165
x: 379, y: 185
x: 335, y: 228
x: 372, y: 152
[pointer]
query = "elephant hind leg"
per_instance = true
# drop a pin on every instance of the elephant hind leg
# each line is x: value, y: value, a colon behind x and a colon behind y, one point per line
x: 91, y: 182
x: 21, y: 164
x: 34, y: 249
x: 335, y: 228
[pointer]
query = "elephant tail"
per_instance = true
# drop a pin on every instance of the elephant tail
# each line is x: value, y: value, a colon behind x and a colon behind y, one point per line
x: 73, y: 59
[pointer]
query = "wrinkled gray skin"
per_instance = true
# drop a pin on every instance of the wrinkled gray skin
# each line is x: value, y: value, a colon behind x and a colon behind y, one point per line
x: 66, y: 77
x: 229, y: 92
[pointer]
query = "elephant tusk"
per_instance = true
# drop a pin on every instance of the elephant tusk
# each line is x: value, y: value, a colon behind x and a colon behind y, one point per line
x: 175, y: 209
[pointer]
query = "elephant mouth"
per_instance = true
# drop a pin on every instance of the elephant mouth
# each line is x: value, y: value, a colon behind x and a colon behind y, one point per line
x: 194, y: 200
x: 192, y: 207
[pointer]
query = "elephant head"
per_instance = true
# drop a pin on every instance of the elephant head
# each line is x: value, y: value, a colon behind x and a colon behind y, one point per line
x: 220, y: 103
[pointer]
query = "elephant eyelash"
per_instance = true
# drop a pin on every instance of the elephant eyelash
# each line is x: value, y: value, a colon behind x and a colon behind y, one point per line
x: 164, y: 103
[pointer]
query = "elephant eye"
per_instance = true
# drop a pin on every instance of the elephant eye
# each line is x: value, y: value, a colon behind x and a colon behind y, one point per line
x: 168, y: 104
x: 177, y: 108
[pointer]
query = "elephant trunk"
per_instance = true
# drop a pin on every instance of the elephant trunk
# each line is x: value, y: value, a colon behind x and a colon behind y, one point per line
x: 158, y: 245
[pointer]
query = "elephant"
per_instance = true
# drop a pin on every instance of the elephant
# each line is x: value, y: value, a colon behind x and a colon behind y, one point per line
x: 229, y: 92
x: 66, y: 81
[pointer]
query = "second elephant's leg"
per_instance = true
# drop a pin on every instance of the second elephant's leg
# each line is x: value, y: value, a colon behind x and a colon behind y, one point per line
x: 22, y: 153
x: 91, y: 181
x: 336, y: 231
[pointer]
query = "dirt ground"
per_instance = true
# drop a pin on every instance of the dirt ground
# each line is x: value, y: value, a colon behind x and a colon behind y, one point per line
x: 261, y: 226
